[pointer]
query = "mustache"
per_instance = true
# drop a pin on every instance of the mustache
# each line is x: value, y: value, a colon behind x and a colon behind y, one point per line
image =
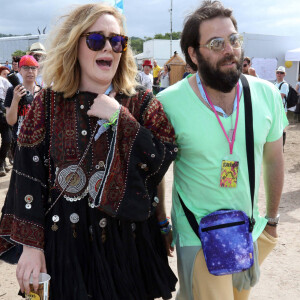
x: 229, y: 58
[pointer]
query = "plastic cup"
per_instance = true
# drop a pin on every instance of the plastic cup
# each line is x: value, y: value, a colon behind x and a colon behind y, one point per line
x: 43, y: 290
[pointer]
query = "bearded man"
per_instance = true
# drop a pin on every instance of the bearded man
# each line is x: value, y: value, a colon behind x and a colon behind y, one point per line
x: 208, y: 111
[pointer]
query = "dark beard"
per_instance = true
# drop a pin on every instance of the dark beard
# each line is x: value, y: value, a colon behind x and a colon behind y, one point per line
x: 217, y: 79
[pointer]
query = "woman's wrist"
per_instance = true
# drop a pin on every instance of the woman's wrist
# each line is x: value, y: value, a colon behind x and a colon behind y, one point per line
x: 165, y: 226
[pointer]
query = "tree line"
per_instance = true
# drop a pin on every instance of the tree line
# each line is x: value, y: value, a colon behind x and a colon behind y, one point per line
x: 135, y: 42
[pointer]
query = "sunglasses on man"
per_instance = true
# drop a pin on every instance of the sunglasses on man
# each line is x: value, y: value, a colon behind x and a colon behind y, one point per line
x: 96, y: 41
x: 245, y: 65
x: 218, y: 44
x: 280, y: 73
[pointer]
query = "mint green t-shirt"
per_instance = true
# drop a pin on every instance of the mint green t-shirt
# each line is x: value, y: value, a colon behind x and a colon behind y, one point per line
x: 203, y: 145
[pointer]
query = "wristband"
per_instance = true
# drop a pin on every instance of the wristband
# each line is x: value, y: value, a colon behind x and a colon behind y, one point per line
x: 113, y: 119
x: 165, y: 230
x: 164, y: 222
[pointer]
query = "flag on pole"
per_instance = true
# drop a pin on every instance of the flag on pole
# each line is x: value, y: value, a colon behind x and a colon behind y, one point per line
x: 119, y: 5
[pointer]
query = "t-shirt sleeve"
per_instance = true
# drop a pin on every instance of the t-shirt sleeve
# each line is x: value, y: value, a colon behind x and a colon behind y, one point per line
x: 284, y: 89
x: 9, y: 97
x: 279, y: 119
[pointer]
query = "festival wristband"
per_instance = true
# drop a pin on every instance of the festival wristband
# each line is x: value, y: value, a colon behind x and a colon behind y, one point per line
x: 164, y: 222
x: 113, y: 119
x: 165, y: 230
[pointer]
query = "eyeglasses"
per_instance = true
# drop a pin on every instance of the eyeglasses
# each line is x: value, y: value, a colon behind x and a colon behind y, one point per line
x: 282, y: 73
x: 218, y: 44
x: 27, y: 68
x: 37, y: 56
x: 245, y: 65
x: 96, y: 41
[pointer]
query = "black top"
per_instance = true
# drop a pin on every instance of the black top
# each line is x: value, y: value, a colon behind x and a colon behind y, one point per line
x: 23, y: 109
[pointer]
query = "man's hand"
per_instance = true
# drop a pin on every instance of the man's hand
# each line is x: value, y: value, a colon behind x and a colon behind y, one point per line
x: 168, y: 243
x: 32, y: 261
x: 271, y: 230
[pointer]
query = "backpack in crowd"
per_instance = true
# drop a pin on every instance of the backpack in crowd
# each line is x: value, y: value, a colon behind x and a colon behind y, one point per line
x: 292, y: 97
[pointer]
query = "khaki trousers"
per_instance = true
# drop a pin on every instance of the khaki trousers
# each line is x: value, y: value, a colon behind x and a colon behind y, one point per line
x: 209, y: 287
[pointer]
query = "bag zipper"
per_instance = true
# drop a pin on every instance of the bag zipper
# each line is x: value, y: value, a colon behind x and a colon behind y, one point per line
x: 222, y: 226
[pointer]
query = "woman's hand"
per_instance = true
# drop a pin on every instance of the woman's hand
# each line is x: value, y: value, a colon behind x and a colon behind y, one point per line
x: 32, y: 261
x: 19, y: 92
x: 104, y: 106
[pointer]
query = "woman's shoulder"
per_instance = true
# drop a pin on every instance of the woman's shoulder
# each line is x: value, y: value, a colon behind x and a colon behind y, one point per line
x: 139, y: 97
x: 138, y: 102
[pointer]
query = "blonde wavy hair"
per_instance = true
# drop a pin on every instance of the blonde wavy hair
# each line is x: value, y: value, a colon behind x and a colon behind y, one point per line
x: 61, y: 69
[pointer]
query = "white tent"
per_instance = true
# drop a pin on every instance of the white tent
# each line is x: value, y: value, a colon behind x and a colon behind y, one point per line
x: 293, y: 55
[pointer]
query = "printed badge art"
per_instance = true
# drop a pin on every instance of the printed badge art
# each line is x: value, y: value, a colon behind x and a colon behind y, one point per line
x: 229, y: 173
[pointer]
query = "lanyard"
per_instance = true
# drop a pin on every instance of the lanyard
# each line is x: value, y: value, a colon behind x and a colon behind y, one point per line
x: 109, y: 89
x: 231, y: 143
x: 101, y: 122
x: 218, y: 109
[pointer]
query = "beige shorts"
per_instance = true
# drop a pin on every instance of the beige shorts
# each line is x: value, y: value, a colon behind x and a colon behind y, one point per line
x: 196, y: 283
x: 207, y: 286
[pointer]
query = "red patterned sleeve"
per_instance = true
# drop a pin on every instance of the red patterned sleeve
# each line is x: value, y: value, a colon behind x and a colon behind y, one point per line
x: 143, y: 149
x: 156, y: 120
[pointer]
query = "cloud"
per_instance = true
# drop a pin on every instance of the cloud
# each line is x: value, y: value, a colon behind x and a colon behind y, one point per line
x: 146, y: 18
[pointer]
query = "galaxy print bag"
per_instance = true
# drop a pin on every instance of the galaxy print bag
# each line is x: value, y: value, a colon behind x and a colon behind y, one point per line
x: 226, y: 241
x: 226, y: 235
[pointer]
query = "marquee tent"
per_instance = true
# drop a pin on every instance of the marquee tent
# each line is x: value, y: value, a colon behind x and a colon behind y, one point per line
x: 292, y: 55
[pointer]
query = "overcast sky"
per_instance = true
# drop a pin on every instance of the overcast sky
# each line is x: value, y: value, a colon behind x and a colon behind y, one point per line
x: 146, y: 18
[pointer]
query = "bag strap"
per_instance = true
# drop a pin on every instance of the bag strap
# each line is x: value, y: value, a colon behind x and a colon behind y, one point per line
x: 249, y: 142
x: 280, y: 85
x: 250, y: 157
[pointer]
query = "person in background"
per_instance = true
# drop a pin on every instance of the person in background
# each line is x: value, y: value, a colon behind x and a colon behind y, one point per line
x: 247, y: 69
x: 156, y: 81
x: 15, y: 67
x: 5, y: 130
x: 15, y: 64
x: 207, y: 111
x: 16, y: 104
x: 7, y: 65
x: 164, y: 77
x: 145, y: 78
x: 82, y: 202
x: 38, y: 51
x: 297, y: 88
x: 297, y: 109
x: 283, y: 87
x: 188, y: 70
x: 4, y: 71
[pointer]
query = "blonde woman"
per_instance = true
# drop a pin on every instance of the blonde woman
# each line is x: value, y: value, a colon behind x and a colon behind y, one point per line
x: 164, y: 77
x: 82, y: 203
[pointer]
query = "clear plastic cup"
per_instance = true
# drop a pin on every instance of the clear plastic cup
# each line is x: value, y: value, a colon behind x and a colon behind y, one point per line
x: 43, y: 290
